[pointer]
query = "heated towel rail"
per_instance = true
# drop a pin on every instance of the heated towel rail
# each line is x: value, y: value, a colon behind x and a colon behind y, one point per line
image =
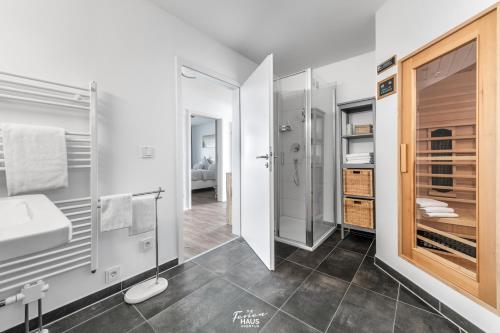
x: 18, y: 90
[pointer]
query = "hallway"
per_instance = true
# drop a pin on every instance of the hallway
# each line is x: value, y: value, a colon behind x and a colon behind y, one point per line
x: 205, y: 225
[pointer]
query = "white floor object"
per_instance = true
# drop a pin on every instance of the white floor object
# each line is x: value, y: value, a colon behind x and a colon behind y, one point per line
x: 145, y: 290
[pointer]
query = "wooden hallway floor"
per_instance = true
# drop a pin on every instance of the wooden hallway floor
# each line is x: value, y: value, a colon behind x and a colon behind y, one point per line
x: 205, y: 225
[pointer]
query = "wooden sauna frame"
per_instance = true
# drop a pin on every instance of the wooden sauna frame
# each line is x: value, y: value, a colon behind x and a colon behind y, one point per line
x: 474, y: 152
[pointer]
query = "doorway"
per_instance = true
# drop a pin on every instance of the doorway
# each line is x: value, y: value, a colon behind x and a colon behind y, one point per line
x: 251, y: 208
x: 208, y: 112
x: 207, y: 220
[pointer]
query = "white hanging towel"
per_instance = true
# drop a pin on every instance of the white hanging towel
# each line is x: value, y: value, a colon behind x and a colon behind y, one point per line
x: 35, y: 158
x: 143, y: 214
x: 116, y: 211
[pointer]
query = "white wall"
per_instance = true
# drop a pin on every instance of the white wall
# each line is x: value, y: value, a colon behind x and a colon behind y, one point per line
x: 197, y: 149
x: 354, y: 77
x: 401, y: 27
x: 128, y: 47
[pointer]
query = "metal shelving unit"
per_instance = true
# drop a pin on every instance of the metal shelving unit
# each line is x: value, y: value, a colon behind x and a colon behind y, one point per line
x: 346, y: 112
x: 358, y: 166
x: 357, y: 136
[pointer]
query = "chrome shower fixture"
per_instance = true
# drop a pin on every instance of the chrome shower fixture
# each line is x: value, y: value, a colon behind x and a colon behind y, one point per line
x: 285, y: 128
x: 295, y: 147
x: 296, y: 178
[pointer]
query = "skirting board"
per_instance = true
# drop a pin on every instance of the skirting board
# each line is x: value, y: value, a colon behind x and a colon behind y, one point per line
x: 443, y: 309
x: 67, y: 309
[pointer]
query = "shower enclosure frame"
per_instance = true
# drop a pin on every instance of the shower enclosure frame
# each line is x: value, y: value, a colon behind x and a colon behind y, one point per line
x: 310, y: 244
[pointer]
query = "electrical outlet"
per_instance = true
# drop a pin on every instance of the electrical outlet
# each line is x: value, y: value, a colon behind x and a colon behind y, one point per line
x: 113, y: 274
x: 147, y: 243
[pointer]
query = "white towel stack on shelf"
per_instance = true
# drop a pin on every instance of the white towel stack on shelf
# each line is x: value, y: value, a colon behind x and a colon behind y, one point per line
x: 435, y: 208
x: 359, y: 158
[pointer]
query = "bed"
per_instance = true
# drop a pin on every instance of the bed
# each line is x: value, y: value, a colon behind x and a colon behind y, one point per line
x: 204, y: 178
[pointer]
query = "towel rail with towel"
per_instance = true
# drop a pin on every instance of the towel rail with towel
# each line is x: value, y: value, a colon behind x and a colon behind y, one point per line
x: 149, y: 288
x: 79, y: 150
x: 81, y: 251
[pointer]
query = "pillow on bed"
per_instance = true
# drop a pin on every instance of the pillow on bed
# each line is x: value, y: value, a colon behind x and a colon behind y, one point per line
x: 212, y: 167
x: 198, y: 166
x: 204, y: 163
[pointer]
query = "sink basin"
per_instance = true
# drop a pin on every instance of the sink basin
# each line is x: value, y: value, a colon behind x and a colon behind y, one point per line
x: 29, y: 224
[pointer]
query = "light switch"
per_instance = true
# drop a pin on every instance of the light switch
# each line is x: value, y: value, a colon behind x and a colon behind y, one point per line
x: 147, y: 152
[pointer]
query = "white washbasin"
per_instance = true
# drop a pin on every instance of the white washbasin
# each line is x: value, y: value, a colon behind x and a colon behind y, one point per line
x: 29, y: 224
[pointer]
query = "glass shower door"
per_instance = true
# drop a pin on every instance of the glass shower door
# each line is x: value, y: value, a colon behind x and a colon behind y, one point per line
x: 305, y: 169
x: 291, y: 181
x: 322, y: 158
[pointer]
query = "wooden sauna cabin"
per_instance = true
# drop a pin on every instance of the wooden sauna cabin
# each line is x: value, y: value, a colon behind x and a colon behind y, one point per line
x: 446, y: 154
x: 449, y: 178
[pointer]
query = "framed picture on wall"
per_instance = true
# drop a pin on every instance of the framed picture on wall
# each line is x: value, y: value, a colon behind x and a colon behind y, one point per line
x: 208, y: 141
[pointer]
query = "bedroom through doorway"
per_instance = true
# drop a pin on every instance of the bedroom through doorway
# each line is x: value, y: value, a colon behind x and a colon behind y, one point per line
x: 209, y: 108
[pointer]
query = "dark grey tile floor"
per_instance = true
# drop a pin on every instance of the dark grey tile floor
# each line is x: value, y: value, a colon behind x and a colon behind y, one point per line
x: 336, y: 288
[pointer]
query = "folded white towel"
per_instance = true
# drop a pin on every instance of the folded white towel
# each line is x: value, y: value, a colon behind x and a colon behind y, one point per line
x: 427, y: 202
x: 440, y: 214
x: 144, y: 214
x: 116, y: 212
x: 359, y: 161
x: 35, y: 158
x: 438, y: 210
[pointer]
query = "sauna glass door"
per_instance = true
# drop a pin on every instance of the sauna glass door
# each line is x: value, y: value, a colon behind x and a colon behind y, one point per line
x: 445, y: 178
x: 448, y: 163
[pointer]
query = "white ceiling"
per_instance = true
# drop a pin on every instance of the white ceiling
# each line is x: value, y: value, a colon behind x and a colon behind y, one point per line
x: 300, y: 33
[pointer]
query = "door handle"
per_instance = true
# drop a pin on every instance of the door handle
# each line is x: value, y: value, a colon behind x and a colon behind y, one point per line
x: 403, y: 167
x: 263, y: 156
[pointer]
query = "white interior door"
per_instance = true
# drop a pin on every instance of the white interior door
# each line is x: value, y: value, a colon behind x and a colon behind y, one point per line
x: 257, y: 200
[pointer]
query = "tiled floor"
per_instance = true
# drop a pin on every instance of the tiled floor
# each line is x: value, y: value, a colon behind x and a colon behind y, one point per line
x: 205, y: 225
x: 336, y: 288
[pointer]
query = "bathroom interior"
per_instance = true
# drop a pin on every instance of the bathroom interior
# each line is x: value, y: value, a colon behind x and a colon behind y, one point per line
x: 360, y: 170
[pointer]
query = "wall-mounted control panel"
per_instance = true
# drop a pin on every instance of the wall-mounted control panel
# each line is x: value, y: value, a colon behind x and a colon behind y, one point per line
x: 147, y: 152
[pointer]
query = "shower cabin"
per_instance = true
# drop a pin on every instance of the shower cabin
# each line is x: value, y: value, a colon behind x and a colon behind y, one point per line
x: 305, y: 159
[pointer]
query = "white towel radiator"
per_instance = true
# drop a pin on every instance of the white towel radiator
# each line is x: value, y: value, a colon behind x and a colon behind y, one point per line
x: 22, y: 91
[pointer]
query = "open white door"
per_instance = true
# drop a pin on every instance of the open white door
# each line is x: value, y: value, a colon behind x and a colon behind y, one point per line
x: 257, y: 200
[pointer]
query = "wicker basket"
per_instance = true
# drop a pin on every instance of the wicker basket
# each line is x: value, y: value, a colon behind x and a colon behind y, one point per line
x: 358, y: 212
x: 363, y: 129
x: 358, y: 182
